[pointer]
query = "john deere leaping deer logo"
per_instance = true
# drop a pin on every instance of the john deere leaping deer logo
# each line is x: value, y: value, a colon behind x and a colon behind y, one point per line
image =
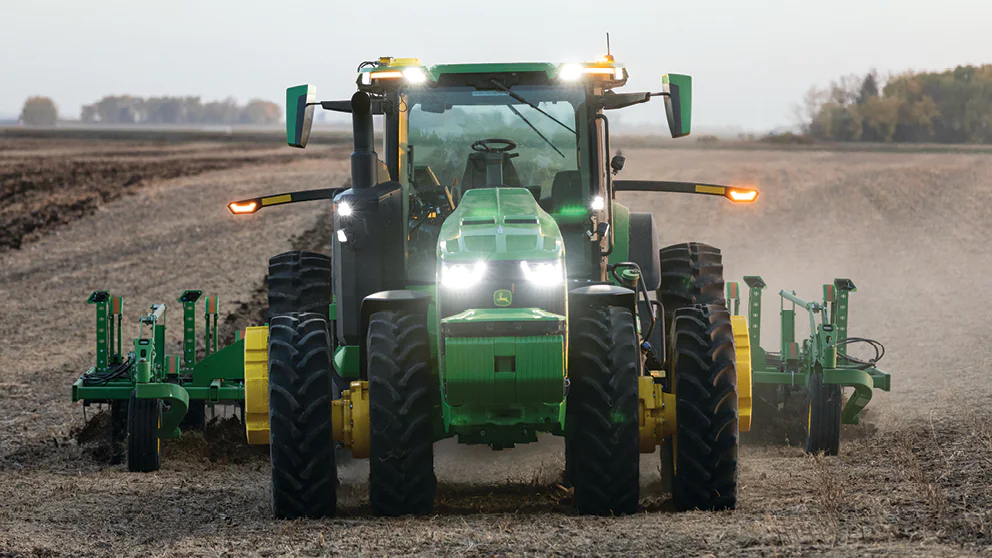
x: 502, y: 297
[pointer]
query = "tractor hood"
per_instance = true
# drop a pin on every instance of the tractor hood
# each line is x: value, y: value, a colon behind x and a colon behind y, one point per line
x: 499, y: 224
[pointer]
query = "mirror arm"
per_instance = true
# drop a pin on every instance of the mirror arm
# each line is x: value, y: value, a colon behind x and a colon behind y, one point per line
x: 611, y: 101
x: 345, y: 106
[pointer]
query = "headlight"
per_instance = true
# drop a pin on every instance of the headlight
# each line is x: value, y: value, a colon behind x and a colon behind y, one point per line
x: 462, y: 275
x: 344, y: 209
x: 544, y: 274
x: 570, y: 72
x: 415, y: 75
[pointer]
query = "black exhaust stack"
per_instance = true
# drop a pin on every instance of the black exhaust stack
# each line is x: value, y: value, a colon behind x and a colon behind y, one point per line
x: 364, y: 160
x: 369, y: 243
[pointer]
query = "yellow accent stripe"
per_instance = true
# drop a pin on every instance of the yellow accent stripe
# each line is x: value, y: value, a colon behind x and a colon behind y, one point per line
x: 276, y: 200
x: 718, y: 190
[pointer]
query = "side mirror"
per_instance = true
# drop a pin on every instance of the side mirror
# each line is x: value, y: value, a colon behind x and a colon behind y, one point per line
x: 300, y: 102
x: 678, y: 103
x: 616, y: 163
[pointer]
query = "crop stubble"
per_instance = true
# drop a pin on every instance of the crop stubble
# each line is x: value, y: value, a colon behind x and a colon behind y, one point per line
x: 910, y: 229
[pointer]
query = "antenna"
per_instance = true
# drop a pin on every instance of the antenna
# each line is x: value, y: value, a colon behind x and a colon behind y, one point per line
x: 609, y: 55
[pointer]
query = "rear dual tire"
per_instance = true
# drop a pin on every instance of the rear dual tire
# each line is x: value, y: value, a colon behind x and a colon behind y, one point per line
x: 701, y: 460
x: 301, y: 282
x: 691, y: 273
x: 301, y: 444
x: 707, y: 438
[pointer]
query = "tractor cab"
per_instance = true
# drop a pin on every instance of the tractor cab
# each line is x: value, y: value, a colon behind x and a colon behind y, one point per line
x: 450, y: 129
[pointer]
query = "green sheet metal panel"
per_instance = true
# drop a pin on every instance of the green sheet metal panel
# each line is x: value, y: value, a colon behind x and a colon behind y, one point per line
x: 469, y: 372
x: 504, y: 370
x: 540, y: 368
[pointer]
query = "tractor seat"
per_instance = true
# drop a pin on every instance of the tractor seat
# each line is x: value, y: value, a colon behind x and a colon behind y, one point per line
x: 475, y: 171
x: 566, y: 190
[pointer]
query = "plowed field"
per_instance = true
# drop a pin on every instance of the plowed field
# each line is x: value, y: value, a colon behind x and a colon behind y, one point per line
x: 148, y: 220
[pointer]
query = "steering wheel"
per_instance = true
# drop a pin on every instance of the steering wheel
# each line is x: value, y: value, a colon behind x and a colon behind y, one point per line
x: 486, y: 145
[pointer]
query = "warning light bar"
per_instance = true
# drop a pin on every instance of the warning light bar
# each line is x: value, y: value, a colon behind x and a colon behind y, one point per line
x: 742, y: 195
x: 603, y: 69
x: 411, y: 70
x: 240, y: 208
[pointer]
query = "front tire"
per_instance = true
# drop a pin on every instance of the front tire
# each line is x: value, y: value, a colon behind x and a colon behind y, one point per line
x: 403, y: 394
x: 707, y: 439
x: 144, y: 449
x: 603, y: 453
x: 301, y: 443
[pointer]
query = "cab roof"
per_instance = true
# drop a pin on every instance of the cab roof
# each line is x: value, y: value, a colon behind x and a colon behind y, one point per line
x: 388, y: 71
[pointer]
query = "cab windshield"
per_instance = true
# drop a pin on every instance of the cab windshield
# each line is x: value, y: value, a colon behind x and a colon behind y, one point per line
x: 453, y: 134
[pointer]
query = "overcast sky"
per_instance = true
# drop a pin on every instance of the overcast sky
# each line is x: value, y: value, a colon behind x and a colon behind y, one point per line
x: 751, y: 60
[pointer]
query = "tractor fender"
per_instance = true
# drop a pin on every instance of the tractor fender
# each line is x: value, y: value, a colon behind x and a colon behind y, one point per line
x: 410, y: 300
x: 592, y: 296
x: 636, y: 240
x: 642, y: 248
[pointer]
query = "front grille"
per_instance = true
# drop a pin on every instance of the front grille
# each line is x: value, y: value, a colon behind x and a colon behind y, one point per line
x: 501, y: 275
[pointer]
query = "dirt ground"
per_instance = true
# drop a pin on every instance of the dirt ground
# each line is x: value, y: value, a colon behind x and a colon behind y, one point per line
x: 910, y: 229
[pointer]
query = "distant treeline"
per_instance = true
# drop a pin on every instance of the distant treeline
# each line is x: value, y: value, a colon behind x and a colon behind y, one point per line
x: 954, y: 106
x: 125, y: 109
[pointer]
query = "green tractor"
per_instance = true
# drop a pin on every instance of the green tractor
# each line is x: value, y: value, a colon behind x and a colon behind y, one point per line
x: 485, y: 285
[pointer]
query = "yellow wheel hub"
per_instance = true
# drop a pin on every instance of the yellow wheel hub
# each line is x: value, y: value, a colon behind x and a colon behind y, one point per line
x: 657, y: 413
x: 350, y: 419
x: 350, y: 413
x: 257, y: 384
x: 742, y: 344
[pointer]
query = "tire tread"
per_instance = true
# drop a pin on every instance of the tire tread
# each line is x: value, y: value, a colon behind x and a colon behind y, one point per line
x: 707, y: 439
x: 602, y: 436
x: 301, y: 444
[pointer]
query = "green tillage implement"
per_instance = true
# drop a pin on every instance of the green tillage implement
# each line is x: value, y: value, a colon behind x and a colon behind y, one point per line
x: 147, y: 373
x: 819, y: 366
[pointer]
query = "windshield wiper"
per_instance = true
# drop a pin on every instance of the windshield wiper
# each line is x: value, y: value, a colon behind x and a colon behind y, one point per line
x: 517, y: 97
x: 536, y: 131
